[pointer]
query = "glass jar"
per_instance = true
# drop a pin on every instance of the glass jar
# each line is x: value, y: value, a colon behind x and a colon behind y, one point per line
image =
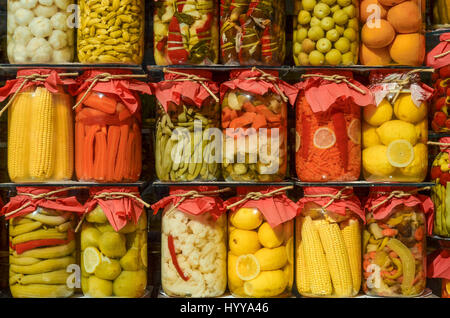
x: 441, y: 100
x: 113, y: 263
x: 189, y: 35
x: 392, y: 32
x: 40, y: 136
x: 40, y: 32
x: 441, y: 14
x: 111, y: 31
x: 395, y: 132
x: 252, y: 32
x: 326, y: 33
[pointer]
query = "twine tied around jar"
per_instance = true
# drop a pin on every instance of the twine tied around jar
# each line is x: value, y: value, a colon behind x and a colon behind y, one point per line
x: 45, y: 195
x: 259, y: 195
x: 105, y: 77
x: 191, y: 77
x: 30, y: 78
x: 443, y: 53
x: 337, y: 79
x: 398, y: 194
x: 435, y: 143
x: 270, y: 78
x: 333, y: 197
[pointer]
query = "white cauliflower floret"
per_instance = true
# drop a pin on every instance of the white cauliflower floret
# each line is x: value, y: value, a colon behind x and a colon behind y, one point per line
x: 28, y: 4
x: 63, y: 56
x: 207, y: 263
x: 39, y: 50
x: 198, y: 229
x: 19, y: 54
x: 200, y: 242
x: 44, y: 11
x: 13, y: 6
x: 46, y: 2
x: 187, y: 244
x: 41, y: 27
x: 170, y: 273
x: 62, y: 4
x: 193, y: 259
x: 11, y: 23
x: 23, y: 16
x: 10, y: 52
x: 58, y: 39
x: 209, y: 248
x: 59, y: 21
x: 22, y: 35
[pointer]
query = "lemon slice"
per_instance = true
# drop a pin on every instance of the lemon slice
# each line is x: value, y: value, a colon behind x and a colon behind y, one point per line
x: 144, y: 255
x: 247, y: 267
x: 354, y: 131
x: 324, y: 138
x: 91, y: 259
x: 400, y: 153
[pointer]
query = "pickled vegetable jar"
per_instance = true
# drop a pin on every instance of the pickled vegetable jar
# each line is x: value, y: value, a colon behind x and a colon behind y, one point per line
x: 254, y: 122
x: 40, y: 127
x: 186, y: 33
x: 328, y: 129
x: 40, y: 31
x: 261, y: 243
x: 43, y: 248
x: 193, y: 243
x: 326, y: 32
x: 187, y: 130
x: 392, y: 32
x: 108, y: 145
x: 252, y: 32
x: 328, y: 243
x: 111, y: 31
x: 114, y: 247
x: 395, y: 129
x: 394, y: 243
x: 441, y: 13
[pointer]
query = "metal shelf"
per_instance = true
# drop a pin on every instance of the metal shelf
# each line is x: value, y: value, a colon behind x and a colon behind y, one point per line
x: 139, y: 184
x: 363, y: 184
x: 220, y: 183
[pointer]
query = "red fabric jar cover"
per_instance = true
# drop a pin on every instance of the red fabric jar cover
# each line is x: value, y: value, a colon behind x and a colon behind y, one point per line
x: 277, y: 208
x: 179, y: 197
x: 438, y: 264
x: 340, y: 198
x: 120, y: 205
x: 439, y: 56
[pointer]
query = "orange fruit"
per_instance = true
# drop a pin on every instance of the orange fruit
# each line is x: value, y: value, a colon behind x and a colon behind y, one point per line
x: 324, y: 138
x: 408, y: 49
x: 365, y: 11
x: 391, y: 3
x: 354, y: 131
x: 374, y: 56
x: 405, y: 17
x: 378, y: 34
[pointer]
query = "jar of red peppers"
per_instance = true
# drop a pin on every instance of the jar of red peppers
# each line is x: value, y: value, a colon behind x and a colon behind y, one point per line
x: 252, y: 32
x: 193, y: 242
x: 43, y: 248
x: 108, y: 126
x: 439, y: 267
x: 187, y: 128
x: 394, y: 242
x: 328, y: 127
x: 186, y: 32
x: 439, y: 59
x: 254, y: 122
x: 261, y: 242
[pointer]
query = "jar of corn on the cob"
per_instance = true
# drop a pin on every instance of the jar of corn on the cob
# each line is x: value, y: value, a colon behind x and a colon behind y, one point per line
x: 394, y: 243
x: 40, y: 128
x: 328, y: 243
x: 261, y: 242
x: 111, y: 31
x: 43, y: 248
x: 114, y: 244
x: 193, y: 242
x: 254, y: 123
x: 108, y: 143
x: 188, y: 137
x: 186, y: 32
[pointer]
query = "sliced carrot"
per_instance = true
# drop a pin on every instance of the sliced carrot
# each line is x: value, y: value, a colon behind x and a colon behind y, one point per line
x: 100, y: 156
x: 226, y: 124
x: 89, y: 113
x: 119, y: 168
x: 270, y: 116
x: 259, y: 122
x: 79, y: 149
x: 249, y: 107
x: 124, y: 113
x: 101, y: 102
x: 242, y: 121
x: 89, y: 151
x: 113, y: 146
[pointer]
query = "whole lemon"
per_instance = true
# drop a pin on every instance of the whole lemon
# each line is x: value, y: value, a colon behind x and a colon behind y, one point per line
x: 246, y: 218
x: 99, y: 288
x: 112, y: 244
x: 266, y: 284
x: 377, y: 115
x: 375, y: 161
x: 233, y: 279
x: 397, y: 129
x: 405, y: 109
x: 130, y: 284
x: 108, y: 269
x: 422, y: 131
x: 369, y: 136
x: 418, y: 167
x: 89, y: 237
x: 270, y: 237
x: 271, y: 258
x: 244, y: 242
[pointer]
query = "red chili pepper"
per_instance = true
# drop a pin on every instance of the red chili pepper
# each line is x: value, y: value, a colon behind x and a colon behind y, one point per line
x: 26, y: 246
x: 340, y: 129
x: 161, y: 44
x: 444, y: 72
x: 174, y: 258
x: 205, y: 30
x: 440, y: 102
x: 266, y: 45
x: 175, y: 49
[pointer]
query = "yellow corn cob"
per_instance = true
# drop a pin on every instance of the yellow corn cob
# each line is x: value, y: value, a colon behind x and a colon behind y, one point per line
x: 352, y: 239
x: 41, y: 163
x: 18, y: 136
x: 315, y: 260
x: 64, y: 138
x: 303, y: 283
x: 337, y: 257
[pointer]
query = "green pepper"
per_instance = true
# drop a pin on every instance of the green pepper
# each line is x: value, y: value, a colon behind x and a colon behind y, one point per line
x: 408, y: 264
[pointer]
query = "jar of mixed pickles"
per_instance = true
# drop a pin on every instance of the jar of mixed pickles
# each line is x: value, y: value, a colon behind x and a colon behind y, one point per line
x: 114, y: 244
x: 193, y: 242
x: 328, y: 129
x: 395, y: 128
x: 40, y: 32
x: 261, y: 242
x: 328, y: 243
x: 43, y: 247
x: 394, y: 242
x: 254, y: 122
x: 186, y: 32
x: 111, y: 31
x: 40, y: 126
x: 188, y: 137
x: 252, y: 32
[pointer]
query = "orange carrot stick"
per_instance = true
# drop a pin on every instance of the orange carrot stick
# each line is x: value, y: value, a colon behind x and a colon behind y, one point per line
x: 113, y: 146
x: 101, y: 102
x: 89, y: 151
x: 79, y: 149
x: 100, y: 156
x: 128, y: 165
x: 119, y: 168
x: 137, y: 152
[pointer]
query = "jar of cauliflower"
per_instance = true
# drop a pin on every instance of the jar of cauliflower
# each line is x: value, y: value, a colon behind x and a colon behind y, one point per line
x: 40, y: 31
